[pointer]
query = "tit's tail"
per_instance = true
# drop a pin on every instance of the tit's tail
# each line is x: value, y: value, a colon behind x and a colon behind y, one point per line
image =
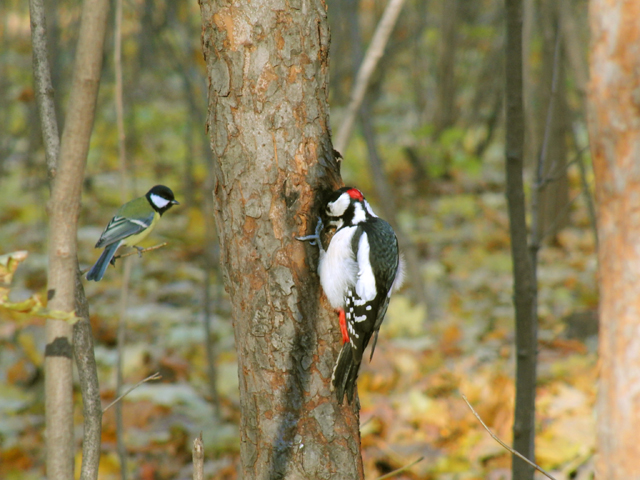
x: 97, y: 271
x: 345, y: 372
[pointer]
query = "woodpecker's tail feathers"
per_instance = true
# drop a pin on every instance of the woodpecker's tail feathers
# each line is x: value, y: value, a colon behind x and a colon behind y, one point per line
x: 345, y: 373
x: 97, y: 271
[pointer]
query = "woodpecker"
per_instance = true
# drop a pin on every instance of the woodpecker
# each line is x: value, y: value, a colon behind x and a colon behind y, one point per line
x: 358, y: 271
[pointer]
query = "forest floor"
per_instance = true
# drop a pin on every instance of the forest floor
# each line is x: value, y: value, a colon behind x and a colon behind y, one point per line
x: 461, y: 342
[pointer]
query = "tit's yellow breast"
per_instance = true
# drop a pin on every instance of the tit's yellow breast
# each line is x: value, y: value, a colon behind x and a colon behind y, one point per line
x: 134, y: 240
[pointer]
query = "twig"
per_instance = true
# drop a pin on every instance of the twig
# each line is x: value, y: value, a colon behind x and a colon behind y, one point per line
x: 555, y: 175
x: 140, y: 252
x: 504, y: 445
x: 132, y: 252
x: 400, y: 470
x: 371, y: 59
x: 155, y: 376
x: 198, y: 458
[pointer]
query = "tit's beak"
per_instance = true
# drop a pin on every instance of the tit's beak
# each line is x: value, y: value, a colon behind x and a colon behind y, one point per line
x: 175, y: 202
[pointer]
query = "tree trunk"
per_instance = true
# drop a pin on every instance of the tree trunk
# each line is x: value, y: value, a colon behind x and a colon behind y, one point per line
x: 64, y: 209
x: 268, y: 124
x: 614, y: 122
x: 523, y: 273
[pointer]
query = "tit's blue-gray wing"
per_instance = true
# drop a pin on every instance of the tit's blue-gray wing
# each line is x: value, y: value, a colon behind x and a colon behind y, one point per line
x: 120, y: 228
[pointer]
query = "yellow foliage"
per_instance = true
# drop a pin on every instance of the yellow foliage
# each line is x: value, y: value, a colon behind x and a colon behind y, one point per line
x: 32, y: 306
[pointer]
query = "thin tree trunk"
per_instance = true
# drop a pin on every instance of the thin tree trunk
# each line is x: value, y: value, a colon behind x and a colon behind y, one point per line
x: 444, y: 115
x: 67, y: 171
x: 552, y: 127
x: 368, y: 66
x: 614, y: 125
x: 268, y: 125
x: 524, y: 285
x: 82, y: 337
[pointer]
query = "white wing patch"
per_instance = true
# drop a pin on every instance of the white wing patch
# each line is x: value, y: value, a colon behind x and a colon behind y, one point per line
x: 366, y: 284
x: 338, y: 270
x: 158, y: 201
x: 143, y: 224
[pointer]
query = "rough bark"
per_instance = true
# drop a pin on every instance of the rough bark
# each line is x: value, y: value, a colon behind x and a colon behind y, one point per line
x: 267, y: 64
x: 614, y: 122
x: 523, y: 275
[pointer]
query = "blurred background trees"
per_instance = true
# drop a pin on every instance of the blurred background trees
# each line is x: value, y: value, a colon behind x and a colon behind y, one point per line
x: 432, y: 128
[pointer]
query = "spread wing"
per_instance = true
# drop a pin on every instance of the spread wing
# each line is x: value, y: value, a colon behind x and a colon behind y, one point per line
x: 120, y: 228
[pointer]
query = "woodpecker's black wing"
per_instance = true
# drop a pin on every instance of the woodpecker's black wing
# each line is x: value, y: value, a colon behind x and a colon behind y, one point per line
x: 366, y: 303
x: 384, y: 258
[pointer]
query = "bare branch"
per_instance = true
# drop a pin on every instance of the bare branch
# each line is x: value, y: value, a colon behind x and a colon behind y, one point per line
x: 44, y: 86
x: 155, y: 376
x: 371, y: 59
x: 89, y: 386
x: 400, y: 470
x: 504, y: 445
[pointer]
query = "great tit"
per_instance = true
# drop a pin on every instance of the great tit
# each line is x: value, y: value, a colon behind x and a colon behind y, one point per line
x: 131, y: 224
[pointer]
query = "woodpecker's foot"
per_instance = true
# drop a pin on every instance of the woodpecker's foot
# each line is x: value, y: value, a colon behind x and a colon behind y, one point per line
x: 343, y: 327
x: 315, y: 238
x: 140, y: 250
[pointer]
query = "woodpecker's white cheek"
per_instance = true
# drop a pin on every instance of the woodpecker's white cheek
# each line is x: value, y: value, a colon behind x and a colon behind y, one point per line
x: 366, y: 285
x: 337, y: 208
x: 158, y: 201
x: 338, y: 270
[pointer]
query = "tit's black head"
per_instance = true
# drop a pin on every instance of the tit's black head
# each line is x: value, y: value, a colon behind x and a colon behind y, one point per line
x: 161, y: 198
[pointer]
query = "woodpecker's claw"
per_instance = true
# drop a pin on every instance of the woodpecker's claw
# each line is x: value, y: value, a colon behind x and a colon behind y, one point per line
x: 312, y: 239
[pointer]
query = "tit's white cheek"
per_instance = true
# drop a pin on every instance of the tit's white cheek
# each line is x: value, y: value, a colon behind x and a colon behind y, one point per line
x: 159, y: 201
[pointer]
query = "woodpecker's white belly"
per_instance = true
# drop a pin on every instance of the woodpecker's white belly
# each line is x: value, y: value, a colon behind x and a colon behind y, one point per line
x: 338, y: 269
